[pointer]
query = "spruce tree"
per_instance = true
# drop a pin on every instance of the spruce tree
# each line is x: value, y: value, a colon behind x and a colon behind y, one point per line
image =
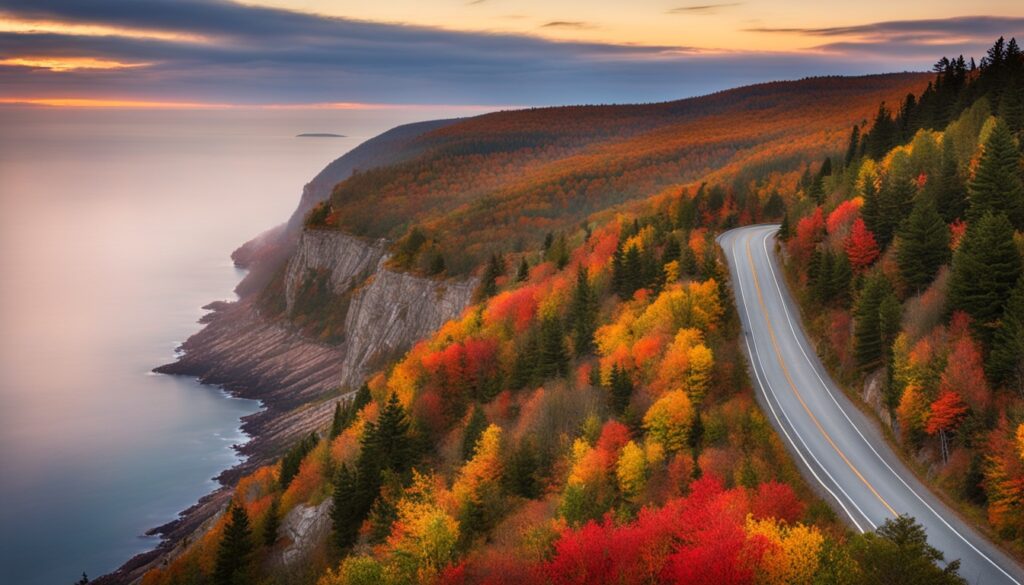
x: 474, y: 429
x: 894, y: 200
x: 996, y: 186
x: 868, y: 327
x: 521, y: 471
x: 854, y: 145
x: 986, y: 267
x: 346, y: 515
x: 272, y: 522
x: 489, y: 282
x: 337, y: 421
x: 524, y: 271
x: 232, y: 566
x: 390, y: 441
x: 621, y: 389
x: 583, y: 313
x: 950, y: 191
x: 553, y: 359
x: 293, y: 459
x: 1006, y: 362
x: 672, y: 251
x: 923, y: 245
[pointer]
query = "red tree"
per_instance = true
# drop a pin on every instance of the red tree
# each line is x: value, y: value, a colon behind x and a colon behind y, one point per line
x: 861, y: 247
x: 944, y: 416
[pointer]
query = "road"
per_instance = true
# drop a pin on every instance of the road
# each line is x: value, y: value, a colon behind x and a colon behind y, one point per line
x: 838, y: 448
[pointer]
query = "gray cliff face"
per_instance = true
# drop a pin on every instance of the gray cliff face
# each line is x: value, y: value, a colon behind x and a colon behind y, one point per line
x: 348, y: 260
x: 389, y: 310
x: 394, y: 310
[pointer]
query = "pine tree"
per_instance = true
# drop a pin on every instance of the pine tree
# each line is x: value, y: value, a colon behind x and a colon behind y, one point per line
x: 84, y: 580
x: 868, y: 326
x: 521, y: 471
x: 1006, y: 362
x: 950, y: 192
x: 489, y: 282
x: 293, y: 459
x: 583, y: 313
x: 337, y: 421
x: 390, y: 441
x: 621, y: 389
x: 986, y: 267
x: 346, y: 515
x: 882, y: 136
x: 785, y: 231
x: 997, y: 186
x: 923, y: 245
x: 854, y: 146
x: 894, y: 202
x: 524, y: 368
x: 474, y: 428
x: 235, y: 548
x: 553, y: 359
x: 672, y: 251
x: 524, y: 271
x: 272, y: 522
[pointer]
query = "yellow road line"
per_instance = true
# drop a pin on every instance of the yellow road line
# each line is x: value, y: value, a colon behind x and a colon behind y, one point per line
x: 785, y: 372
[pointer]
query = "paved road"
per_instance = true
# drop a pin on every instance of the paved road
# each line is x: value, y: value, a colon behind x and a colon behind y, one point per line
x: 837, y: 447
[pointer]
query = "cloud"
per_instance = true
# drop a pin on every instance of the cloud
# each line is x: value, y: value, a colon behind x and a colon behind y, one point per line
x: 702, y: 8
x: 247, y: 54
x: 567, y: 24
x: 931, y: 37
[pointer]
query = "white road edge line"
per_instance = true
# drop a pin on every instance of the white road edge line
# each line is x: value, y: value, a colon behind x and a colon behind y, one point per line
x: 764, y: 243
x: 756, y: 356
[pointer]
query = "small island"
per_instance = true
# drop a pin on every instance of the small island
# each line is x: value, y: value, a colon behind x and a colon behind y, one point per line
x: 319, y: 135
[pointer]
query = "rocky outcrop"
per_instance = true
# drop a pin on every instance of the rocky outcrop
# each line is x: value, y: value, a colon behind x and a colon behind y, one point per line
x: 302, y: 528
x: 347, y: 259
x: 392, y: 311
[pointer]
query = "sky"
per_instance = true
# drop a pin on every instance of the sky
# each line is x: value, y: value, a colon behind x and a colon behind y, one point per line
x: 390, y: 53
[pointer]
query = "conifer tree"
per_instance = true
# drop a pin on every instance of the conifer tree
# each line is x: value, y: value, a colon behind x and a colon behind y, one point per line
x: 524, y: 271
x: 672, y: 250
x: 232, y: 566
x: 1006, y: 362
x: 949, y: 189
x: 489, y: 282
x: 621, y: 389
x: 521, y: 471
x: 553, y: 359
x: 272, y: 522
x: 293, y: 458
x: 986, y: 267
x: 996, y: 186
x: 785, y: 230
x: 868, y: 327
x: 337, y: 421
x: 474, y: 428
x: 583, y: 313
x: 854, y: 145
x: 923, y: 245
x: 345, y: 511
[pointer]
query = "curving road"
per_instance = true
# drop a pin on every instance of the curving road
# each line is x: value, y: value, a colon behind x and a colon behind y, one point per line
x: 836, y: 446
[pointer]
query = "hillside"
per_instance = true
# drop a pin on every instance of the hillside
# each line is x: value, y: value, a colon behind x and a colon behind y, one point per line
x: 514, y: 203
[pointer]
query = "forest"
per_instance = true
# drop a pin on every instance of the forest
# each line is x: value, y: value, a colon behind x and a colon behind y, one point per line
x: 589, y: 419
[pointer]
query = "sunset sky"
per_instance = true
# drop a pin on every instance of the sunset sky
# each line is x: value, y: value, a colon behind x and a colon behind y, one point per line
x: 294, y: 53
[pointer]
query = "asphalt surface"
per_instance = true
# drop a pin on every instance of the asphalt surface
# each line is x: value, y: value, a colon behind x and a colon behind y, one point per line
x: 839, y: 449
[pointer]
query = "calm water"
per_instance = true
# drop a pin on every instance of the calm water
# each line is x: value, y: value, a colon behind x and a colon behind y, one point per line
x: 115, y: 227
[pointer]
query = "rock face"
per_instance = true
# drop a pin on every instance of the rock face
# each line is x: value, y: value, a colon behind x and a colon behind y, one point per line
x: 302, y: 528
x: 348, y: 260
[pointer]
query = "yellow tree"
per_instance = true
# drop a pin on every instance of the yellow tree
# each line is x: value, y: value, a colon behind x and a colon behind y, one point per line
x: 631, y: 470
x: 793, y: 552
x: 668, y: 420
x: 698, y: 372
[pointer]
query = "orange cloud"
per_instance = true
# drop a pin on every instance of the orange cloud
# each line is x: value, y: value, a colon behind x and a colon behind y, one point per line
x: 66, y: 63
x: 10, y: 24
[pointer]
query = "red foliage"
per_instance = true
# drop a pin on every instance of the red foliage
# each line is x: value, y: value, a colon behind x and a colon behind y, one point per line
x: 957, y: 229
x: 614, y: 436
x: 842, y: 216
x: 945, y: 413
x: 861, y: 247
x: 516, y: 308
x: 777, y: 500
x: 809, y: 231
x: 964, y: 374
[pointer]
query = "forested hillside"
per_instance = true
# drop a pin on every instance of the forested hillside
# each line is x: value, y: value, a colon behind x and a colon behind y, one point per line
x: 588, y: 419
x: 910, y: 256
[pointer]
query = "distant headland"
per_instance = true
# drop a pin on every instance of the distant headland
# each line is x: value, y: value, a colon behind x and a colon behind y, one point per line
x: 319, y: 135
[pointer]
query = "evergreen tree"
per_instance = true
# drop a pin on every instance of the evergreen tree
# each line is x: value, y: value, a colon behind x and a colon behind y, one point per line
x: 524, y: 368
x: 688, y: 261
x: 997, y: 186
x: 474, y: 429
x: 986, y: 267
x: 293, y: 458
x: 950, y: 192
x: 489, y: 282
x: 84, y: 580
x: 524, y: 271
x: 923, y: 245
x: 672, y: 251
x: 854, y: 145
x: 774, y: 207
x: 884, y: 212
x: 272, y: 522
x: 522, y: 469
x: 583, y: 313
x: 1006, y: 362
x: 898, y: 552
x: 337, y: 421
x: 868, y: 327
x: 785, y: 231
x: 553, y: 359
x: 346, y: 515
x: 882, y: 136
x: 234, y: 550
x: 389, y: 440
x: 621, y: 389
x: 361, y: 399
